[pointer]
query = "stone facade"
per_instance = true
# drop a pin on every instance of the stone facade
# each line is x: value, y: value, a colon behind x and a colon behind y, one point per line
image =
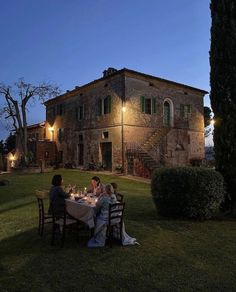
x: 128, y: 119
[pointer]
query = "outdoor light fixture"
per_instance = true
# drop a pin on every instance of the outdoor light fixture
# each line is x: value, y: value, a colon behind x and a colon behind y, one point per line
x: 12, y: 159
x: 212, y: 122
x: 51, y: 129
x: 124, y: 109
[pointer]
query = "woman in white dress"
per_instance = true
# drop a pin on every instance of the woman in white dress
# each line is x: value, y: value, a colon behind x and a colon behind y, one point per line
x: 102, y: 207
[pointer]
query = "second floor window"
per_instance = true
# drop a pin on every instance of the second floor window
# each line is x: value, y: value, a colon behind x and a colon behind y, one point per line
x: 60, y: 134
x: 80, y: 113
x: 148, y: 105
x: 104, y: 106
x: 51, y: 112
x: 61, y: 109
x: 185, y: 110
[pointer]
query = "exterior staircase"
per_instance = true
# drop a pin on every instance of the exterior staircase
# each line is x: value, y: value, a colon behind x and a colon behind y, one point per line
x: 144, y: 151
x: 155, y: 139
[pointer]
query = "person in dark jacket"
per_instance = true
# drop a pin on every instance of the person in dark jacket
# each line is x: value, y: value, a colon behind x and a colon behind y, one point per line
x: 57, y: 195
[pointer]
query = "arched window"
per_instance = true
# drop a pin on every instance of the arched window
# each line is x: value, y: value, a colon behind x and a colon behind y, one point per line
x: 168, y: 113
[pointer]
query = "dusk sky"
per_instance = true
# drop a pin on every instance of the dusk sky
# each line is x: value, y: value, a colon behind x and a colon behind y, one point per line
x: 71, y: 42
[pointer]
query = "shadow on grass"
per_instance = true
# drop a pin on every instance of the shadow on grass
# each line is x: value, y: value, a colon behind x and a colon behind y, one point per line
x: 10, y: 208
x: 29, y: 263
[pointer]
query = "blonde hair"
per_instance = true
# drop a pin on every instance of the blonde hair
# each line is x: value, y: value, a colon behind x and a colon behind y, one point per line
x: 109, y: 188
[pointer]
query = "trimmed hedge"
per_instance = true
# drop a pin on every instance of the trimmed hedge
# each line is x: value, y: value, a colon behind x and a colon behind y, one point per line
x: 192, y: 192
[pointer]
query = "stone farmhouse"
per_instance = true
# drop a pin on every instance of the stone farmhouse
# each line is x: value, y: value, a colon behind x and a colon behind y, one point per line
x: 127, y: 121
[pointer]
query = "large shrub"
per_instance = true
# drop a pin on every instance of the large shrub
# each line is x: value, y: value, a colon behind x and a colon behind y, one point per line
x: 187, y: 191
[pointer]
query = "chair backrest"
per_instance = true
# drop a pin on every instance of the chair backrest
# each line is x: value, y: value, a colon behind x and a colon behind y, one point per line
x: 119, y: 197
x: 41, y: 194
x: 116, y: 212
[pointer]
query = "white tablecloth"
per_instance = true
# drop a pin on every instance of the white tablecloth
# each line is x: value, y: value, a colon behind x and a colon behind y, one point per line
x: 81, y: 211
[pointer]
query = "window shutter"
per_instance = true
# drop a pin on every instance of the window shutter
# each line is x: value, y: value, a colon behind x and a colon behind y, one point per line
x: 99, y: 107
x: 142, y: 99
x: 154, y: 107
x: 63, y: 109
x: 58, y: 109
x: 182, y: 110
x: 76, y: 113
x: 109, y: 104
x: 190, y: 109
x: 84, y: 109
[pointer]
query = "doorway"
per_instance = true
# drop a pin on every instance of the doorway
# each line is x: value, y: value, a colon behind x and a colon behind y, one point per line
x: 80, y: 154
x: 106, y: 151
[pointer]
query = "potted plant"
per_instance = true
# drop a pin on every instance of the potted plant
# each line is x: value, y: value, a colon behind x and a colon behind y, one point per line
x: 119, y: 168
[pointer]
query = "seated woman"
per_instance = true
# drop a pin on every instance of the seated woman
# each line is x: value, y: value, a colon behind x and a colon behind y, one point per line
x: 96, y: 188
x: 119, y: 197
x: 102, y: 207
x: 57, y: 195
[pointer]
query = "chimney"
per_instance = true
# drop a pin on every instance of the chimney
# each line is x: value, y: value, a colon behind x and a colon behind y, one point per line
x: 109, y: 71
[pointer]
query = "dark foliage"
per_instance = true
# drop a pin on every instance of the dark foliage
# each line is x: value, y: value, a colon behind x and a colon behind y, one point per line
x: 207, y: 116
x: 10, y: 143
x: 191, y: 192
x: 223, y: 91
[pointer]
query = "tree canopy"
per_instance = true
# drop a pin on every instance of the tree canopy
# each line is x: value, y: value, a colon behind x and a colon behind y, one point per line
x: 223, y: 90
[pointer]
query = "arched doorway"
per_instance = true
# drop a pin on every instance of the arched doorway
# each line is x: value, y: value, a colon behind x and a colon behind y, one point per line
x: 168, y: 113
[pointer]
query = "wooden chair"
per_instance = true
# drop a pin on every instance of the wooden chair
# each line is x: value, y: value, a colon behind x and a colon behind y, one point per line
x: 60, y: 222
x: 119, y: 197
x: 115, y: 219
x: 44, y: 217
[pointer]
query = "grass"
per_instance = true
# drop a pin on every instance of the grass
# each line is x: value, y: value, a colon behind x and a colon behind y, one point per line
x: 174, y: 255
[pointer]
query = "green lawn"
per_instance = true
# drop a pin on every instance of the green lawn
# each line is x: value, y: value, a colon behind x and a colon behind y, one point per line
x: 174, y: 255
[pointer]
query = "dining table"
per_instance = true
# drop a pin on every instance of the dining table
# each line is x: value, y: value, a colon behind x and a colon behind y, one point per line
x: 82, y: 209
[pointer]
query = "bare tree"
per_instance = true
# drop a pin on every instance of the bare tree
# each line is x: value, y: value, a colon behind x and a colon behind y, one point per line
x: 17, y: 100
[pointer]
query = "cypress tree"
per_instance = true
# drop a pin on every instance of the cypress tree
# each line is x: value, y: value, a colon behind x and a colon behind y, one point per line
x: 223, y: 91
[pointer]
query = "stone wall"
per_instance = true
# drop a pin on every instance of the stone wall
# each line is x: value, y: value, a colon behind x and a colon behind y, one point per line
x: 184, y: 141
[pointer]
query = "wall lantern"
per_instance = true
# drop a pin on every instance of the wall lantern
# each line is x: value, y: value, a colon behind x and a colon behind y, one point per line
x: 12, y: 159
x: 51, y: 129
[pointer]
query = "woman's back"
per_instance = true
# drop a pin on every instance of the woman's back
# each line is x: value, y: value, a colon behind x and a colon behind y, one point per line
x: 57, y: 199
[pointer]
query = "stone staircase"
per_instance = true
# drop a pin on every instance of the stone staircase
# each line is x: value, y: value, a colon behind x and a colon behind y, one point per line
x: 143, y: 151
x: 155, y: 139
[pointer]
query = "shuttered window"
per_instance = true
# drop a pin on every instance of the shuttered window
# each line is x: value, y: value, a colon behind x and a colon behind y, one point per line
x: 148, y: 105
x: 61, y: 108
x: 104, y: 106
x: 185, y: 111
